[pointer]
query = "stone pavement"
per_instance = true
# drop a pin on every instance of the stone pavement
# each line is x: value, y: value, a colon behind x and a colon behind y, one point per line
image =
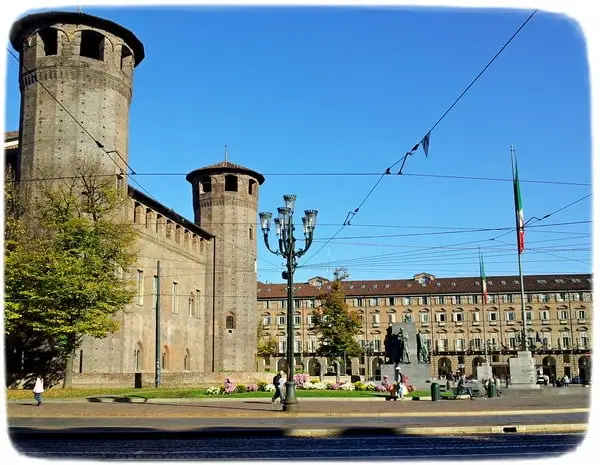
x: 511, y: 402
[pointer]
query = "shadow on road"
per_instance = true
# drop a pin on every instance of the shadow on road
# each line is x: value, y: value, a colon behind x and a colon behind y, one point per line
x: 372, y: 443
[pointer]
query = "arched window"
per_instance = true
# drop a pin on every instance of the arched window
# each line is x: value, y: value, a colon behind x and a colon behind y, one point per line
x: 49, y: 38
x: 205, y: 184
x: 165, y: 358
x: 251, y: 186
x: 92, y: 45
x: 191, y: 305
x: 229, y: 322
x: 126, y: 58
x: 231, y: 183
x: 186, y: 361
x: 138, y: 358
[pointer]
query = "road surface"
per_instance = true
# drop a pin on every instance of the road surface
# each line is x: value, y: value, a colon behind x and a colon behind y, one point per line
x: 380, y: 446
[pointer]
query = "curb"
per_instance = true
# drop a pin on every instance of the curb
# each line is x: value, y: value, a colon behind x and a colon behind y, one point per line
x: 280, y: 414
x: 22, y: 433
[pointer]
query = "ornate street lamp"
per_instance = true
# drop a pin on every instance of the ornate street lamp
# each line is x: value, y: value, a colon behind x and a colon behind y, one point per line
x: 284, y: 229
x: 368, y: 352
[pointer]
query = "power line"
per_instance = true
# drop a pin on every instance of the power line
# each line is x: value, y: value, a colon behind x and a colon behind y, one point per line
x: 478, y: 76
x: 441, y: 176
x: 350, y: 215
x: 96, y: 141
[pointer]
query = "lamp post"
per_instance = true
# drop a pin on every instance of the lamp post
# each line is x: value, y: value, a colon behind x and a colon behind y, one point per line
x: 368, y: 353
x: 284, y: 229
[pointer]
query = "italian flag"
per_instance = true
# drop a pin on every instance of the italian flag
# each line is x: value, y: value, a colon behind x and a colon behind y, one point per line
x: 519, y: 212
x: 483, y: 280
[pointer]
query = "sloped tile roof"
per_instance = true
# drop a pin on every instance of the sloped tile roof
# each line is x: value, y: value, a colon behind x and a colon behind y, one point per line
x: 470, y: 285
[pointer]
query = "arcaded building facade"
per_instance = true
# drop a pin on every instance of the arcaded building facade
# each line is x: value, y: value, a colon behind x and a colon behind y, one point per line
x: 460, y: 331
x: 76, y: 82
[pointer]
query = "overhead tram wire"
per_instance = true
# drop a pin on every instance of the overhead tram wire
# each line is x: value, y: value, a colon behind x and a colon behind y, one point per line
x: 103, y: 149
x: 500, y: 235
x: 350, y: 215
x: 441, y: 176
x: 83, y: 128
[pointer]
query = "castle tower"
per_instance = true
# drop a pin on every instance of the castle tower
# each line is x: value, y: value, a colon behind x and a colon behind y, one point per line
x: 79, y: 64
x: 225, y: 198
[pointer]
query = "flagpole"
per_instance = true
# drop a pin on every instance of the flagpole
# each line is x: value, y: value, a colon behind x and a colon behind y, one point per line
x: 483, y: 302
x: 525, y: 341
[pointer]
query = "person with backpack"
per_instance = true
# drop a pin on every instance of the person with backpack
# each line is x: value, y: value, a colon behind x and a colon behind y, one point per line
x: 278, y: 383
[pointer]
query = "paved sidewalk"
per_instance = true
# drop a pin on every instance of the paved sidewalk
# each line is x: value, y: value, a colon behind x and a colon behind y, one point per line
x: 261, y: 407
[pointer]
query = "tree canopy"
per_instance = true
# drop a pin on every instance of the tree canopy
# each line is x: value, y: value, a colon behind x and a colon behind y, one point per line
x: 67, y: 250
x: 336, y: 324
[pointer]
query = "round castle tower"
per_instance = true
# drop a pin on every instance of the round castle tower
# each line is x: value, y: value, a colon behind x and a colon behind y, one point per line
x: 225, y: 198
x: 85, y: 64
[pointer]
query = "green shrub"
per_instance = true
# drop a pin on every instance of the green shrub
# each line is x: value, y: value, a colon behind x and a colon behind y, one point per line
x: 241, y: 388
x: 261, y: 385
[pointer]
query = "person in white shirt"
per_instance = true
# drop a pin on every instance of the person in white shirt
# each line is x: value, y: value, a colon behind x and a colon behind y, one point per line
x: 38, y: 388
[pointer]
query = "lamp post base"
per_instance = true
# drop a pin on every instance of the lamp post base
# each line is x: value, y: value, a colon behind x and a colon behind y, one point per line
x: 290, y: 404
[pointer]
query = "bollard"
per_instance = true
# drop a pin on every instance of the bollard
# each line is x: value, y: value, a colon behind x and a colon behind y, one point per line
x: 491, y: 390
x: 435, y: 391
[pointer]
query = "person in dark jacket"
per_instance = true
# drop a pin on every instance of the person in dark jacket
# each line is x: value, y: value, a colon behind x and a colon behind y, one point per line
x: 277, y: 382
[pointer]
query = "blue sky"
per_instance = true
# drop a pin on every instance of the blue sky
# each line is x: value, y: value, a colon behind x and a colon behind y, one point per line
x: 350, y: 90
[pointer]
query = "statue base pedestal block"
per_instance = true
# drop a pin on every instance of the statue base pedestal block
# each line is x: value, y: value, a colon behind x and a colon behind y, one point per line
x: 522, y: 371
x: 484, y: 371
x: 417, y: 373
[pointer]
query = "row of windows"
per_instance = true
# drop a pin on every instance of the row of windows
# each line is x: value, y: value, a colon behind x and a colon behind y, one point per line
x: 169, y: 228
x: 441, y: 317
x: 443, y: 344
x: 231, y: 184
x: 439, y: 300
x: 92, y: 45
x: 194, y: 298
x: 165, y: 359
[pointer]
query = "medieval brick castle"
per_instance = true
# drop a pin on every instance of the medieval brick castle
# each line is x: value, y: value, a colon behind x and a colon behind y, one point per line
x: 76, y: 79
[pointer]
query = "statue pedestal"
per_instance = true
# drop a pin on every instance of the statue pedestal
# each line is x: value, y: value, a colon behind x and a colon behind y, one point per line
x: 484, y: 371
x: 419, y: 374
x: 522, y: 371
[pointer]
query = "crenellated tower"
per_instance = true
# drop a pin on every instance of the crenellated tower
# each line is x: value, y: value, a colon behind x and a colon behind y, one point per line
x: 225, y: 198
x: 76, y: 77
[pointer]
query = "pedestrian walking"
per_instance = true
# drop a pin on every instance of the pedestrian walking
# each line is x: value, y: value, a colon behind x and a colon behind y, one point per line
x: 38, y: 388
x: 278, y: 382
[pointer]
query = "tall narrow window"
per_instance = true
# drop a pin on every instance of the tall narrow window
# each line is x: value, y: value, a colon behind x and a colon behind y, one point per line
x: 174, y: 298
x: 154, y: 291
x: 250, y: 234
x: 205, y: 184
x: 231, y: 183
x: 251, y: 186
x: 92, y: 45
x: 191, y: 304
x: 197, y: 310
x: 126, y: 58
x: 140, y: 287
x: 81, y: 361
x: 49, y: 38
x: 229, y: 322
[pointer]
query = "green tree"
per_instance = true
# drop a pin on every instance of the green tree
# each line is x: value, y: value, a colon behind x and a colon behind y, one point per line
x: 336, y: 324
x: 265, y: 346
x: 65, y: 261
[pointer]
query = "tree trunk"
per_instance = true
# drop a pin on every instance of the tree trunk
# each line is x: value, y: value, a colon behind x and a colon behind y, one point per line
x: 68, y: 375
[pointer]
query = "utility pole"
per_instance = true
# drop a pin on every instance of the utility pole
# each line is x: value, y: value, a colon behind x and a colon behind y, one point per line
x: 157, y: 324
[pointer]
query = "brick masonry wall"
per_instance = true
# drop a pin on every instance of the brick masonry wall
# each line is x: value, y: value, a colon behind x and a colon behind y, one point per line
x: 168, y: 380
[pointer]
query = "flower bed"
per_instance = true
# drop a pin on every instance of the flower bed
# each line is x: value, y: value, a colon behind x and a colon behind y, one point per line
x: 303, y: 382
